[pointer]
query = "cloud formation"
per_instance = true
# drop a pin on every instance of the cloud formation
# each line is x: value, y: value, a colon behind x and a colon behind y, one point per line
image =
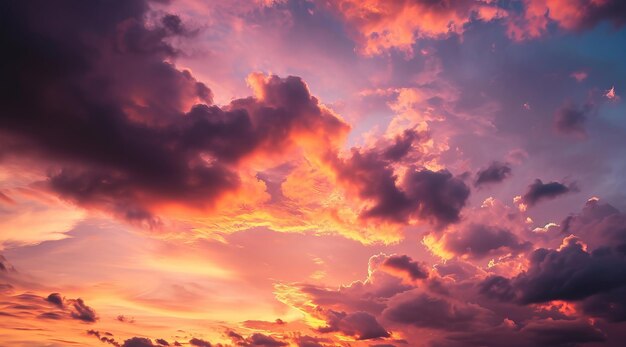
x: 539, y: 191
x: 496, y: 172
x: 221, y: 210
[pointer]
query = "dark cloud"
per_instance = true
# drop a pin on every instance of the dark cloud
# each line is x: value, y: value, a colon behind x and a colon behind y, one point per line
x: 56, y: 299
x: 125, y: 319
x: 138, y: 342
x: 199, y: 342
x: 162, y: 342
x: 571, y: 119
x: 496, y: 172
x: 590, y: 274
x: 79, y: 310
x: 104, y: 337
x: 479, y: 241
x: 66, y: 308
x: 437, y: 197
x: 594, y: 279
x: 404, y: 263
x: 109, y: 112
x: 539, y: 191
x: 401, y: 146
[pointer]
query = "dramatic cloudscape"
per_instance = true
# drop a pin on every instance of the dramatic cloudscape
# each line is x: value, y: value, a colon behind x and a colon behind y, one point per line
x: 313, y: 173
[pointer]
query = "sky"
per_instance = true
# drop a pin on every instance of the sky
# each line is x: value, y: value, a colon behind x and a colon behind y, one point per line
x: 313, y: 173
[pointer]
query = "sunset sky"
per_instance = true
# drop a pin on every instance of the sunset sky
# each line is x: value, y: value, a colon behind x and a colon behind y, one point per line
x: 313, y: 173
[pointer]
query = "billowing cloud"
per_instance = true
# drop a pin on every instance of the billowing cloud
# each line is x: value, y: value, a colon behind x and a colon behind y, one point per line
x: 130, y: 145
x: 435, y: 196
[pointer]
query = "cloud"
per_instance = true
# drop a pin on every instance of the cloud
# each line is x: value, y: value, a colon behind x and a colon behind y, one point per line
x: 594, y: 279
x: 567, y: 295
x: 598, y: 224
x: 380, y: 25
x: 29, y: 306
x: 496, y: 172
x: 56, y: 299
x: 420, y: 194
x: 5, y: 266
x: 258, y: 339
x: 404, y: 264
x: 104, y: 337
x: 138, y: 342
x: 571, y: 120
x: 255, y: 339
x: 536, y: 16
x: 479, y: 241
x: 79, y: 310
x: 145, y: 135
x: 424, y: 310
x: 539, y: 191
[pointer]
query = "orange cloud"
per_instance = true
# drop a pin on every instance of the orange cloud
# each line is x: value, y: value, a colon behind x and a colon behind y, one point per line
x: 380, y: 25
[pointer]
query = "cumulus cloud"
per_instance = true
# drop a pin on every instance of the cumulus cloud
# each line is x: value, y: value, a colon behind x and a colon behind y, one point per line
x: 555, y: 297
x: 145, y: 142
x: 404, y: 264
x: 591, y: 275
x: 381, y: 25
x: 598, y: 224
x: 420, y: 194
x: 539, y: 191
x: 135, y: 140
x: 480, y: 241
x: 496, y: 172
